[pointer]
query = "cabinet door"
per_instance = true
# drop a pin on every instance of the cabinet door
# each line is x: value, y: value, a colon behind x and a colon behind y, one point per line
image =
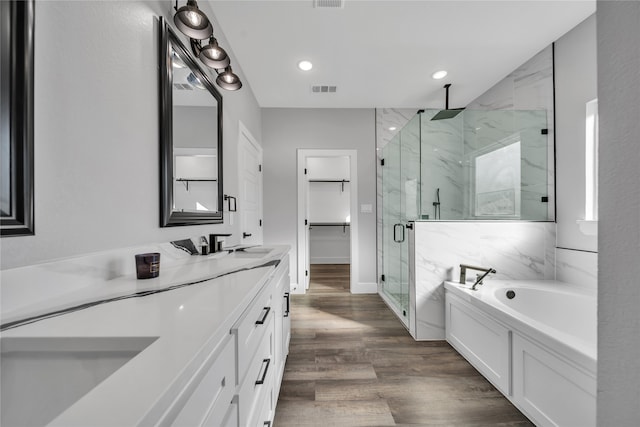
x: 481, y: 340
x: 550, y: 390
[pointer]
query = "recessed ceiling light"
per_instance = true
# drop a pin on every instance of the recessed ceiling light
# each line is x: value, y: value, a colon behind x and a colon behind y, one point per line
x: 305, y: 65
x: 439, y: 75
x: 392, y: 128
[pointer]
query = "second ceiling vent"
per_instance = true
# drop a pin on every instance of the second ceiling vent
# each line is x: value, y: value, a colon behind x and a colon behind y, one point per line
x: 328, y: 4
x: 323, y: 89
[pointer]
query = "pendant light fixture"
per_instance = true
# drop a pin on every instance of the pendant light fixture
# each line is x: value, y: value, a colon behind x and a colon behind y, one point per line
x: 214, y: 56
x: 228, y: 80
x: 193, y: 23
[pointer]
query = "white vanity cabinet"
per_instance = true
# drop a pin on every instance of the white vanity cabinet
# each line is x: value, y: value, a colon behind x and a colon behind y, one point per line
x: 238, y: 384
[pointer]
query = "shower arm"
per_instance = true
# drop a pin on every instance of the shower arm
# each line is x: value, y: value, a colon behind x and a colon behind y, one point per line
x: 446, y: 98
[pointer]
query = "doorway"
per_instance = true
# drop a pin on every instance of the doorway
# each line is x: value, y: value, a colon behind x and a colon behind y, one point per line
x: 327, y: 215
x: 250, y: 187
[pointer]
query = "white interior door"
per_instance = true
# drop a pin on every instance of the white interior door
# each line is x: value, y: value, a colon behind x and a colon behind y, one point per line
x: 250, y: 191
x: 307, y: 252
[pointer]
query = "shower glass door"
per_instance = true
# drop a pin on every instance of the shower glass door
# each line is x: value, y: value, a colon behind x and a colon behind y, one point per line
x: 400, y: 204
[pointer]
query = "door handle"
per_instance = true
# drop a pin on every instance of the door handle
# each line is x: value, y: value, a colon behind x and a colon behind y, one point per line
x: 287, y: 297
x: 245, y: 235
x: 395, y: 235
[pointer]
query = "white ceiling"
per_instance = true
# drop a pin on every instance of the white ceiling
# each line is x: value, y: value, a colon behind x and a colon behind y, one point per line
x: 381, y: 53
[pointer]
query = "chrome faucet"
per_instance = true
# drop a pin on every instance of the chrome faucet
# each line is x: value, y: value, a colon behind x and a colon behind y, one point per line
x: 463, y: 274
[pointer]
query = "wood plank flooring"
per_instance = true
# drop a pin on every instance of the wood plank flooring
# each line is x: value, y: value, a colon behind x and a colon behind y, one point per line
x: 352, y: 363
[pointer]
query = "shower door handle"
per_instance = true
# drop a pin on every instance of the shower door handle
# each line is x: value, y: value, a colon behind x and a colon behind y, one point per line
x: 395, y: 234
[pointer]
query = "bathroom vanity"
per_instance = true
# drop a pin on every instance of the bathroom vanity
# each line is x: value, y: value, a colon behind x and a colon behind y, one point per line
x: 204, y: 344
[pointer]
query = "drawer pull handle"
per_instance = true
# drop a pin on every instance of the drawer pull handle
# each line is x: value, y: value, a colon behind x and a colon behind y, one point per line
x: 267, y: 423
x: 264, y: 374
x: 286, y: 296
x: 264, y: 318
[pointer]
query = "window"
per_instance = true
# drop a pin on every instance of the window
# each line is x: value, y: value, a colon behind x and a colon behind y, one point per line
x: 591, y: 162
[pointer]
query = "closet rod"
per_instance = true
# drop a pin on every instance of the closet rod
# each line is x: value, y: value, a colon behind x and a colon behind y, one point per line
x: 344, y: 225
x: 342, y: 181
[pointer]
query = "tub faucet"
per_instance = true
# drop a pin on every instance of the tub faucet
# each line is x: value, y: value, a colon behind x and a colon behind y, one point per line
x: 463, y: 274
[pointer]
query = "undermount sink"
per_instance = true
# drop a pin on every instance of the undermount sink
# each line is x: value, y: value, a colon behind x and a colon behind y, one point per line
x: 251, y: 252
x: 243, y: 254
x: 42, y: 377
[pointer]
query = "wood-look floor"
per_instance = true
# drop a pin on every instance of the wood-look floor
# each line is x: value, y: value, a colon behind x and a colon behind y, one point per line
x: 352, y: 363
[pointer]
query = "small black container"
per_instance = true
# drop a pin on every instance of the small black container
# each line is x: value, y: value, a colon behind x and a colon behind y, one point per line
x: 148, y: 265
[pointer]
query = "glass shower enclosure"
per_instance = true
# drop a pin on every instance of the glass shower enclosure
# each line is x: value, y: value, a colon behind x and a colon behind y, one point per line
x: 474, y: 166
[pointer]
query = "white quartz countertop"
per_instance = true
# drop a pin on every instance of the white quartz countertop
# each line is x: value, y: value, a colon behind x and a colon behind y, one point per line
x: 187, y: 323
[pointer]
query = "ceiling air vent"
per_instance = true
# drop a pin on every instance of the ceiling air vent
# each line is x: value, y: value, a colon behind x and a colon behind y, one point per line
x: 182, y: 86
x: 323, y: 89
x: 325, y: 4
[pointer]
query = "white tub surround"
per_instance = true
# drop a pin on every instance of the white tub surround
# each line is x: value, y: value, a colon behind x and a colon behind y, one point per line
x: 534, y: 340
x: 577, y: 267
x: 522, y: 250
x: 191, y: 351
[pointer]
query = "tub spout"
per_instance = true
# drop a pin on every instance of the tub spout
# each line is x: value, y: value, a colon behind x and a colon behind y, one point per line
x: 463, y: 274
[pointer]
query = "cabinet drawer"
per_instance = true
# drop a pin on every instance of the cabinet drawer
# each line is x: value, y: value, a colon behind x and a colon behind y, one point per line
x: 215, y: 390
x: 260, y: 374
x: 251, y: 327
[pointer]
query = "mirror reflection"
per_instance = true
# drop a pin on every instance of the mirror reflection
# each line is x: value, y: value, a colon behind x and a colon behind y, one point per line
x: 190, y: 138
x: 195, y: 158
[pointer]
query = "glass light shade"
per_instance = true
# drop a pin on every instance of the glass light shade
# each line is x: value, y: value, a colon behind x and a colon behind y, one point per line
x: 214, y: 56
x: 176, y: 62
x: 192, y: 21
x: 228, y: 80
x: 195, y: 82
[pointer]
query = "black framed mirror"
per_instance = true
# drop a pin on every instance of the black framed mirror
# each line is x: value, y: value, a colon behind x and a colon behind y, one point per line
x: 16, y: 118
x: 190, y: 138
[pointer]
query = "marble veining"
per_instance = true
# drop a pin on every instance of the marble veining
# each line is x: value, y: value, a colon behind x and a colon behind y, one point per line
x: 29, y: 292
x: 517, y: 250
x: 139, y: 294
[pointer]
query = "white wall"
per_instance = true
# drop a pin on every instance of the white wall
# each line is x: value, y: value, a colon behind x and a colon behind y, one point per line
x: 284, y: 131
x: 576, y: 84
x: 96, y: 131
x: 619, y: 214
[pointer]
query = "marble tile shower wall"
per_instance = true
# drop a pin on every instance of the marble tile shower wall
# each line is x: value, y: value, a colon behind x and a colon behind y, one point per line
x: 442, y: 168
x: 529, y: 87
x: 517, y: 250
x: 486, y: 131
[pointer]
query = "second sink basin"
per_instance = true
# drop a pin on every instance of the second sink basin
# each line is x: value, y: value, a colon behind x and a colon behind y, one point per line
x: 42, y: 377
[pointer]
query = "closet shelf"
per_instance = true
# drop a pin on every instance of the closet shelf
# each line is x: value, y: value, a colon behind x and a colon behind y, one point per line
x: 188, y: 180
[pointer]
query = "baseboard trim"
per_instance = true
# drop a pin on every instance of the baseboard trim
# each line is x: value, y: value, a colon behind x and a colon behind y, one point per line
x: 365, y: 288
x: 330, y: 260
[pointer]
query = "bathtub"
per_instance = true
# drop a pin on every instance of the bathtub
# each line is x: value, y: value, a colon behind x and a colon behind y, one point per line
x: 535, y: 340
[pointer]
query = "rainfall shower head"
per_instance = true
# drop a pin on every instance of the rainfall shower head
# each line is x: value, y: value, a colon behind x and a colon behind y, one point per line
x: 447, y: 113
